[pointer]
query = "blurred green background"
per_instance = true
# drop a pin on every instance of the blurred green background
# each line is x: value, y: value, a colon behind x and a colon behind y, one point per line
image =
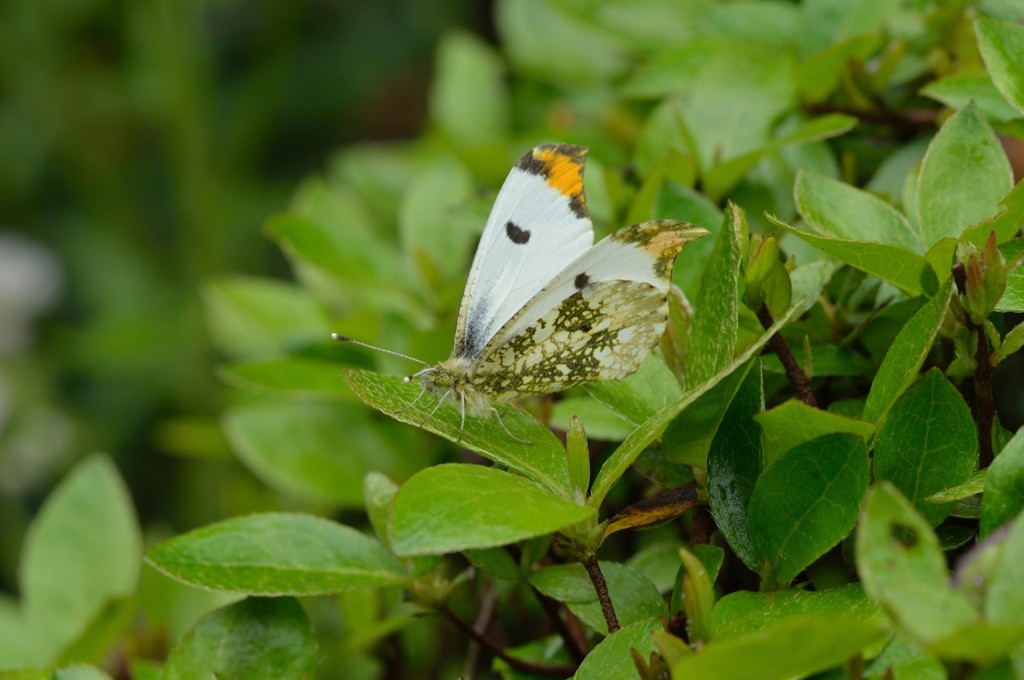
x: 152, y: 146
x: 145, y: 143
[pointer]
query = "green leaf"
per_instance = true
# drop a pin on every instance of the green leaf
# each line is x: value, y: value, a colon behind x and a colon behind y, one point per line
x: 277, y: 554
x: 964, y: 176
x: 1013, y: 296
x: 431, y: 237
x: 672, y: 166
x: 793, y: 422
x: 81, y: 552
x: 906, y: 355
x: 612, y: 657
x: 670, y: 71
x: 821, y: 73
x: 1002, y: 48
x: 600, y: 421
x: 379, y: 492
x: 659, y: 562
x: 545, y: 42
x: 289, y: 376
x: 712, y: 334
x: 639, y: 396
x: 903, y: 659
x: 699, y: 596
x: 254, y: 639
x: 720, y: 179
x: 543, y: 460
x: 742, y: 612
x: 1011, y: 344
x: 577, y: 453
x: 27, y: 674
x: 807, y: 502
x: 20, y: 646
x: 688, y: 438
x: 451, y: 507
x: 317, y: 452
x: 77, y: 672
x: 1004, y: 486
x: 837, y: 210
x: 250, y: 317
x: 734, y: 92
x: 664, y: 133
x: 981, y: 641
x: 496, y: 561
x: 691, y: 206
x: 902, y: 567
x: 103, y: 632
x: 795, y: 648
x: 1005, y: 223
x: 958, y: 90
x: 901, y: 267
x: 378, y: 173
x: 1004, y: 601
x: 338, y: 210
x: 972, y: 487
x: 927, y: 443
x: 734, y: 463
x: 469, y: 97
x: 350, y: 254
x: 620, y: 459
x: 633, y: 596
x: 808, y: 280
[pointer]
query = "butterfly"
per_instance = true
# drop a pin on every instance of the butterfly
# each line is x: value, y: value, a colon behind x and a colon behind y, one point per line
x: 546, y: 309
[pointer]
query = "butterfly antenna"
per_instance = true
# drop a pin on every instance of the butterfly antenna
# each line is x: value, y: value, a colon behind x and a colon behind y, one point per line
x: 344, y: 338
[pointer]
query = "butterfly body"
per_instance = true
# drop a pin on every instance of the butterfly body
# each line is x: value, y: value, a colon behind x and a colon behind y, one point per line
x: 544, y: 308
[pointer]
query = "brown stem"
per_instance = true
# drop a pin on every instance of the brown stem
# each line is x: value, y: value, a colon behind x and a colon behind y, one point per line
x: 985, y: 402
x: 855, y: 667
x: 793, y: 371
x: 492, y: 648
x: 601, y: 586
x: 701, y: 526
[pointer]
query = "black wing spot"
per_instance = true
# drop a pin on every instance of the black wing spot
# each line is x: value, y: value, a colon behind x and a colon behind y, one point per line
x: 515, y: 233
x: 585, y: 327
x: 533, y: 165
x: 582, y: 281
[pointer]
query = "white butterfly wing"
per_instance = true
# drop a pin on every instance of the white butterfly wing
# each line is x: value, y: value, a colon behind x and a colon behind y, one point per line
x: 596, y: 320
x: 538, y: 225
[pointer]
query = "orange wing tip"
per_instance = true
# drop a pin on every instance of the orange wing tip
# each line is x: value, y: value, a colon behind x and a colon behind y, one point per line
x: 562, y: 166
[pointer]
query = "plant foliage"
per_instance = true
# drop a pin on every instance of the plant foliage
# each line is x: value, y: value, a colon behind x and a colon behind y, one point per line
x: 812, y: 474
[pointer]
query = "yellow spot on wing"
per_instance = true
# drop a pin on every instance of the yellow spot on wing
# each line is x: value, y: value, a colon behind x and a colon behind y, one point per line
x: 563, y: 172
x: 664, y: 244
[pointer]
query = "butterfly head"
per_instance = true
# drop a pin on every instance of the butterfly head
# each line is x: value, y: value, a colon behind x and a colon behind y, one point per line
x: 453, y: 378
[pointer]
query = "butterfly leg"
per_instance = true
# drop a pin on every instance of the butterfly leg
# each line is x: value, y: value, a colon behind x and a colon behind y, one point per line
x: 411, y: 403
x: 434, y: 410
x: 462, y: 425
x: 502, y: 423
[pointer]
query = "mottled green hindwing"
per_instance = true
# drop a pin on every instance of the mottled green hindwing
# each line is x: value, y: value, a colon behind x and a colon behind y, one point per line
x: 601, y: 332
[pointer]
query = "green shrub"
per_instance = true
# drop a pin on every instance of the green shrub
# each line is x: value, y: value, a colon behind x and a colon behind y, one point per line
x: 811, y: 475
